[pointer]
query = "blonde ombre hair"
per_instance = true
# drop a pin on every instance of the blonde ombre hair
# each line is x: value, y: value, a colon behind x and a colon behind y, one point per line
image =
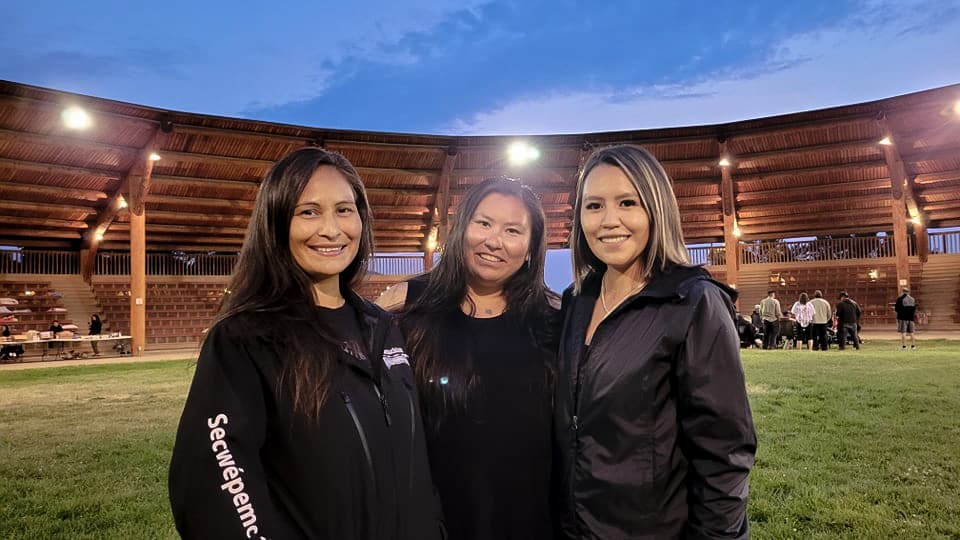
x: 665, y: 247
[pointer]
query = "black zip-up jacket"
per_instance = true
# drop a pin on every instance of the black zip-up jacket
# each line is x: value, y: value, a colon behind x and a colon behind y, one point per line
x: 653, y: 427
x: 245, y: 465
x: 848, y: 312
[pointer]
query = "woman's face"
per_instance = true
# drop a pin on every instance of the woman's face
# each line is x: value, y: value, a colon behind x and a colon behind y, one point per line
x: 614, y: 223
x: 326, y: 228
x: 496, y: 242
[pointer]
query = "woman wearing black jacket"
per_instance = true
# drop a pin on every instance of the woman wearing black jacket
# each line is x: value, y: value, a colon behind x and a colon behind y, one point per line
x: 652, y: 423
x: 302, y: 420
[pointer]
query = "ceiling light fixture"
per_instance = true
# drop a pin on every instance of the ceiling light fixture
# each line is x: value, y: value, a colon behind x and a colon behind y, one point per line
x: 521, y: 153
x: 76, y: 118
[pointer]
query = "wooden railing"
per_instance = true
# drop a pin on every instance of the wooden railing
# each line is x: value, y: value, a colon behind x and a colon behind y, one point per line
x: 873, y: 247
x: 168, y: 264
x: 715, y: 255
x: 39, y: 262
x: 395, y: 265
x: 944, y: 243
x: 203, y: 264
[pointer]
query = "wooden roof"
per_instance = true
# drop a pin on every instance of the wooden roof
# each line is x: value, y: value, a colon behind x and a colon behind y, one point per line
x: 810, y: 173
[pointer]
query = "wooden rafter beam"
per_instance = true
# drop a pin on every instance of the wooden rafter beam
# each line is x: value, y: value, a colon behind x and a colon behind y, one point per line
x: 184, y: 238
x: 184, y: 229
x: 930, y: 178
x: 413, y: 210
x: 43, y: 222
x: 838, y: 207
x: 190, y: 157
x: 216, y: 183
x: 53, y: 191
x: 811, y: 218
x: 232, y: 204
x: 925, y: 192
x: 48, y: 168
x: 931, y: 154
x: 39, y: 233
x: 834, y: 187
x: 393, y: 171
x: 803, y: 171
x: 30, y: 206
x: 196, y: 217
x: 79, y: 143
x: 859, y: 144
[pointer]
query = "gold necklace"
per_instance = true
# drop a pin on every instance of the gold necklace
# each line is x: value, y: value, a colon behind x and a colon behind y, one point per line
x: 603, y: 301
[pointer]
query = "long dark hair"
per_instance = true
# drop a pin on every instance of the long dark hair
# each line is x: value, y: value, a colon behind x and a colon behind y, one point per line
x: 267, y: 279
x: 527, y: 297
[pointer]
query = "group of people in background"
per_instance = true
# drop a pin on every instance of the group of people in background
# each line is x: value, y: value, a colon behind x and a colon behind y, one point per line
x: 616, y: 410
x: 811, y: 320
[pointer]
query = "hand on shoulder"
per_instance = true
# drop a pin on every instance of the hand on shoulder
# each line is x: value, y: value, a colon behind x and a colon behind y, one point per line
x: 394, y: 297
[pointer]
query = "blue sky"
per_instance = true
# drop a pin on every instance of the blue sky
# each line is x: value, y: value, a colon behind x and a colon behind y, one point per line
x: 485, y: 67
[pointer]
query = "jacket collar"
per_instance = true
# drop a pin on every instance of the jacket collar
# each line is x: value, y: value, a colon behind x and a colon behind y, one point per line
x: 375, y: 326
x: 665, y: 285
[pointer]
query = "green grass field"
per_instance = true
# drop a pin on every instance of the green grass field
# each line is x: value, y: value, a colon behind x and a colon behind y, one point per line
x: 852, y: 445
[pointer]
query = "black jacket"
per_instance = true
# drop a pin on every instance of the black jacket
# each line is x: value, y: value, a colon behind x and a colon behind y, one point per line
x: 906, y: 308
x: 848, y: 312
x: 653, y: 427
x: 245, y: 465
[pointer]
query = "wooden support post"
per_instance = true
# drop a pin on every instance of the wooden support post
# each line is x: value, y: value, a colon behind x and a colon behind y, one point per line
x: 428, y: 257
x: 901, y: 192
x: 138, y: 182
x: 138, y: 282
x: 730, y: 238
x: 443, y: 195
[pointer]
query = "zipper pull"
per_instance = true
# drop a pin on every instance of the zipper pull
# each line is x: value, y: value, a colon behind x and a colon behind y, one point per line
x: 575, y: 426
x: 345, y: 397
x: 386, y: 412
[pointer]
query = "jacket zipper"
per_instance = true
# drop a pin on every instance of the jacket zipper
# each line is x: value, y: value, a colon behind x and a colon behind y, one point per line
x: 363, y: 435
x: 383, y: 405
x: 413, y: 435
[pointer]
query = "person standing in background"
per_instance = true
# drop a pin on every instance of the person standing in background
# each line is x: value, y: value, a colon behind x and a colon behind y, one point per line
x: 803, y: 312
x: 821, y: 318
x: 770, y: 314
x: 95, y: 328
x: 848, y: 313
x: 906, y: 308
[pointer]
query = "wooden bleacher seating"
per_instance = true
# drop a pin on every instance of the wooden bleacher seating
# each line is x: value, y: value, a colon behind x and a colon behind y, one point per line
x: 40, y: 304
x: 875, y: 296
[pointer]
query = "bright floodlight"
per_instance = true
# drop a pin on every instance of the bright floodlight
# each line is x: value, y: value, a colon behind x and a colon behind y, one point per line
x: 98, y: 236
x: 724, y: 162
x: 154, y: 156
x: 521, y: 153
x: 75, y: 118
x: 886, y: 141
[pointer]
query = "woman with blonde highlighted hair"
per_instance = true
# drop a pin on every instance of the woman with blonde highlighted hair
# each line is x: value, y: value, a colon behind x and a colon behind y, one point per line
x: 652, y: 425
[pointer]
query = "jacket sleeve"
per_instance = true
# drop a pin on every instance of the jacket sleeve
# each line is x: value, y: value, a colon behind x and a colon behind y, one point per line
x: 218, y: 486
x: 716, y: 428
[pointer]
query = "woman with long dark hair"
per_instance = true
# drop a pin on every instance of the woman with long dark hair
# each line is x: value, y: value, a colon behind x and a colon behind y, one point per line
x: 302, y: 420
x: 653, y: 428
x: 482, y: 332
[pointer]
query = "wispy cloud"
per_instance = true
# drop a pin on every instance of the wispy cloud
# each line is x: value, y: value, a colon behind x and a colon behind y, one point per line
x: 874, y: 54
x: 214, y: 58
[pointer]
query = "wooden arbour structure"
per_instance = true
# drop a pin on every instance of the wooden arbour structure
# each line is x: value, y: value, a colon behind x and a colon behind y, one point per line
x: 815, y: 173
